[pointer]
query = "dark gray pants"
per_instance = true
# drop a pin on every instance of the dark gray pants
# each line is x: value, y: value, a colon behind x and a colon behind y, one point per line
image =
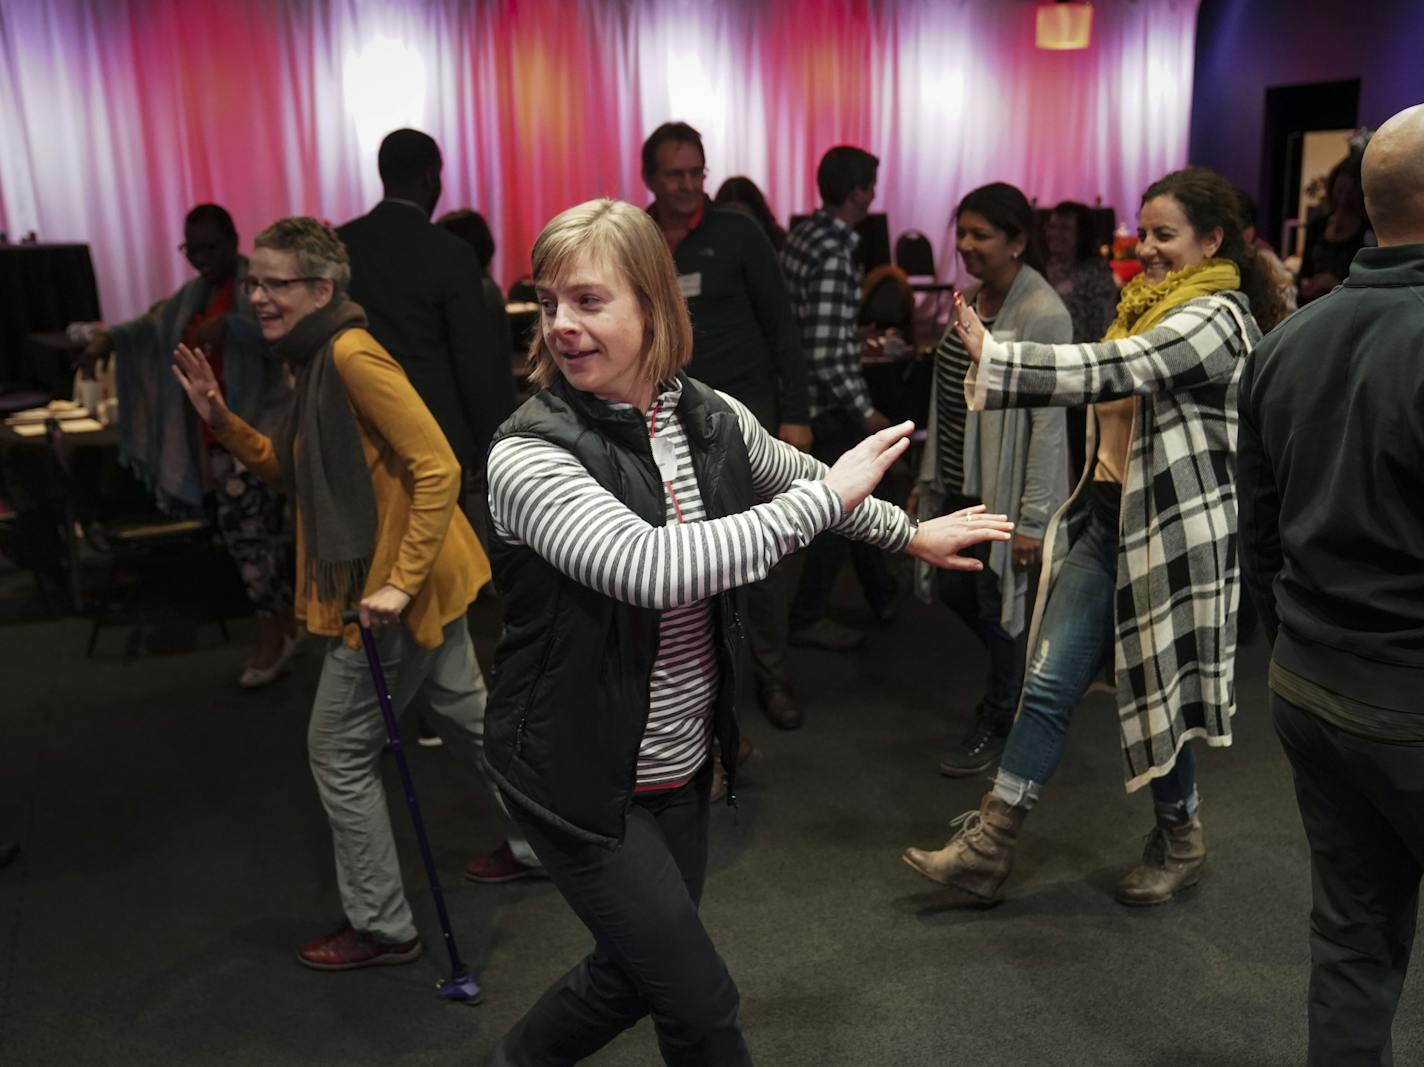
x: 837, y: 432
x: 1363, y: 808
x: 974, y: 596
x: 769, y: 600
x: 651, y: 954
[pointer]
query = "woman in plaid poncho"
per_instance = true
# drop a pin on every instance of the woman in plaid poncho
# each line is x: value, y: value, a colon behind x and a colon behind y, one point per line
x: 1141, y: 564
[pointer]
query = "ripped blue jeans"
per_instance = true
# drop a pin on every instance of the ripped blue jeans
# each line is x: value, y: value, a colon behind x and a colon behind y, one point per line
x: 1075, y: 643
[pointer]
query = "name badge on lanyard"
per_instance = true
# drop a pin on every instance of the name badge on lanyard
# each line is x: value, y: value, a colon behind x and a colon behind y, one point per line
x: 690, y: 284
x: 665, y: 456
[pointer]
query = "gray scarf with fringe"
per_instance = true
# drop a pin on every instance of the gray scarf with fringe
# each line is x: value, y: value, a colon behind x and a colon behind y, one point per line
x: 335, y: 501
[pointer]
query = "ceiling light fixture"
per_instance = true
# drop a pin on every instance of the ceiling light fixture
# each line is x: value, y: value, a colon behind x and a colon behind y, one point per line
x: 1063, y: 27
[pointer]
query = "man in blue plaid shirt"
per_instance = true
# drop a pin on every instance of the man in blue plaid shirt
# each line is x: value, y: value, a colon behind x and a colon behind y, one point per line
x: 824, y: 285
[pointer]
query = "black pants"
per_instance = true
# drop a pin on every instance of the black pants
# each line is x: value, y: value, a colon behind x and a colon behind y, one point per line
x: 974, y: 596
x: 836, y: 432
x: 768, y: 600
x: 1362, y: 803
x: 651, y: 955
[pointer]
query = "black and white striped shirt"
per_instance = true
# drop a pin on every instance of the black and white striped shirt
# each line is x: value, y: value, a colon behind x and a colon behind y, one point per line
x: 543, y: 498
x: 951, y: 368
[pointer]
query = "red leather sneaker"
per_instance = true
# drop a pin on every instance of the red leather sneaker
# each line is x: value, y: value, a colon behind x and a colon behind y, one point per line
x: 348, y: 949
x: 500, y: 866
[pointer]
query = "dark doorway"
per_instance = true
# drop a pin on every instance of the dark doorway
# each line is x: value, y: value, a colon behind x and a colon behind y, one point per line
x: 1292, y: 110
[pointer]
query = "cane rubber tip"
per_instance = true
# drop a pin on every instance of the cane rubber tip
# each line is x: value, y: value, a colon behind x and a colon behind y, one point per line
x: 461, y: 988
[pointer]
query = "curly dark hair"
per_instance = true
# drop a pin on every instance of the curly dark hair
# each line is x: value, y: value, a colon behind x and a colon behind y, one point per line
x: 1209, y: 201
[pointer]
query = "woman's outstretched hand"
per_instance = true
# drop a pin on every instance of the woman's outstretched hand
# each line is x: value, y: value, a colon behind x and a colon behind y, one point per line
x: 859, y: 471
x: 939, y: 541
x: 969, y: 327
x: 191, y: 369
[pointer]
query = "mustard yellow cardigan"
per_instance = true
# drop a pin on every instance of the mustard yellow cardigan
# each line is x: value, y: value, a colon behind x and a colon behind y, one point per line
x: 424, y: 544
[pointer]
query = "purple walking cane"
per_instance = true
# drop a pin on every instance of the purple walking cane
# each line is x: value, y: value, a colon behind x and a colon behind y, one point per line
x: 460, y: 986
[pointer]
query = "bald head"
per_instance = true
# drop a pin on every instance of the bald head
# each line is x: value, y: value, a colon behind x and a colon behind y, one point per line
x: 1393, y: 178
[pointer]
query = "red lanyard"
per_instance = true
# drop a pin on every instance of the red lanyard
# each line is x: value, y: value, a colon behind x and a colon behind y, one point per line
x: 652, y: 433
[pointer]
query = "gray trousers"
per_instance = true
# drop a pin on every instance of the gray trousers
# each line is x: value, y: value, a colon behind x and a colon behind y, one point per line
x: 344, y: 744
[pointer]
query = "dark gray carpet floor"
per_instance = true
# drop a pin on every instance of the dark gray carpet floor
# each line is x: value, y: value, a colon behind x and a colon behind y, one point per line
x: 175, y: 854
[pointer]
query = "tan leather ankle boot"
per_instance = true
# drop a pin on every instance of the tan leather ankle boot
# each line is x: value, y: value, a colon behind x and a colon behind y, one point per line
x: 980, y: 855
x: 1172, y: 860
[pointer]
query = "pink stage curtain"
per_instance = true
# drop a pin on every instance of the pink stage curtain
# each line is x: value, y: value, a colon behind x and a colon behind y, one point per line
x: 115, y: 117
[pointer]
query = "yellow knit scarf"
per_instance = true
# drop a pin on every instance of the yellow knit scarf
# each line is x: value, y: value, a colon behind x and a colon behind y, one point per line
x: 1144, y: 304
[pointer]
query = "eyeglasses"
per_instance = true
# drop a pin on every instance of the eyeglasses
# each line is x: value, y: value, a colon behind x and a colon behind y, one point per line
x: 271, y: 286
x: 691, y: 174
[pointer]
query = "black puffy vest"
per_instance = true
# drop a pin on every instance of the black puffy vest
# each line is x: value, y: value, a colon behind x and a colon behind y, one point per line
x: 569, y: 699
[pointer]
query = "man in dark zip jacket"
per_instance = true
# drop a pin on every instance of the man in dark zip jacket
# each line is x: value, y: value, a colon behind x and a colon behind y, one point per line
x: 746, y: 343
x: 1331, y: 490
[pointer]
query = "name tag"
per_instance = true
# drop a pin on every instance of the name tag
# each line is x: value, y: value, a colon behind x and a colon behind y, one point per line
x: 690, y: 284
x: 665, y: 457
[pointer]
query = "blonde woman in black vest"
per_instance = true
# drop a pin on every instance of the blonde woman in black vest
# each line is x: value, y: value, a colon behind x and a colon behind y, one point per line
x: 628, y: 504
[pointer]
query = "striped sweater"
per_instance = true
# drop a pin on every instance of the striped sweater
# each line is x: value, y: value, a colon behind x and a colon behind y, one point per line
x: 541, y: 497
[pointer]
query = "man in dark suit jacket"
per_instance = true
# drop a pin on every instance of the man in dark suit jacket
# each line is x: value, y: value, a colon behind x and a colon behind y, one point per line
x: 420, y: 286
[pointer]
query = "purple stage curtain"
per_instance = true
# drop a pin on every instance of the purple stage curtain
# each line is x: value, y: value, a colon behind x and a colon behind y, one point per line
x: 116, y: 117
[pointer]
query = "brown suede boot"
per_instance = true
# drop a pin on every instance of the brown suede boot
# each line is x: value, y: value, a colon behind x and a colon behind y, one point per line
x: 1172, y: 860
x: 980, y: 855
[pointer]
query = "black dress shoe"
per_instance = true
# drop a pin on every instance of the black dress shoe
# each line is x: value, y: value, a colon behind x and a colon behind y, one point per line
x: 780, y: 708
x: 887, y: 610
x: 975, y: 754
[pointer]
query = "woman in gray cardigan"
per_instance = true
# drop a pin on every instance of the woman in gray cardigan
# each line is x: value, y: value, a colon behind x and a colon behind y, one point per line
x: 1015, y: 462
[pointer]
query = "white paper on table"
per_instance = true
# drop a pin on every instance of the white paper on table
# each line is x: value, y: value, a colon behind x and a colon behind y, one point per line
x: 29, y: 429
x: 29, y: 415
x: 80, y: 425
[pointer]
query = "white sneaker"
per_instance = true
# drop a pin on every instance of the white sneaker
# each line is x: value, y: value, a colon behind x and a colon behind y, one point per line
x: 256, y: 677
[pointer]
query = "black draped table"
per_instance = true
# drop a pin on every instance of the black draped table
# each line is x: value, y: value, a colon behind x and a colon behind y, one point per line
x: 43, y: 287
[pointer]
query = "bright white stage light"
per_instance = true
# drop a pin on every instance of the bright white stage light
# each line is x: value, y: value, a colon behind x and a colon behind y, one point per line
x: 693, y: 94
x: 384, y: 86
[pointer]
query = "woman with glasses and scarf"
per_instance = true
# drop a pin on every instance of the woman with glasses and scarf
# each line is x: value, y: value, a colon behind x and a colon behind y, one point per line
x: 1140, y: 566
x: 178, y: 458
x: 375, y: 486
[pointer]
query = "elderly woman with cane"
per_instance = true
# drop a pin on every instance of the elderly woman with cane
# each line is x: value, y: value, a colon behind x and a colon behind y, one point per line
x: 375, y: 486
x: 629, y: 504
